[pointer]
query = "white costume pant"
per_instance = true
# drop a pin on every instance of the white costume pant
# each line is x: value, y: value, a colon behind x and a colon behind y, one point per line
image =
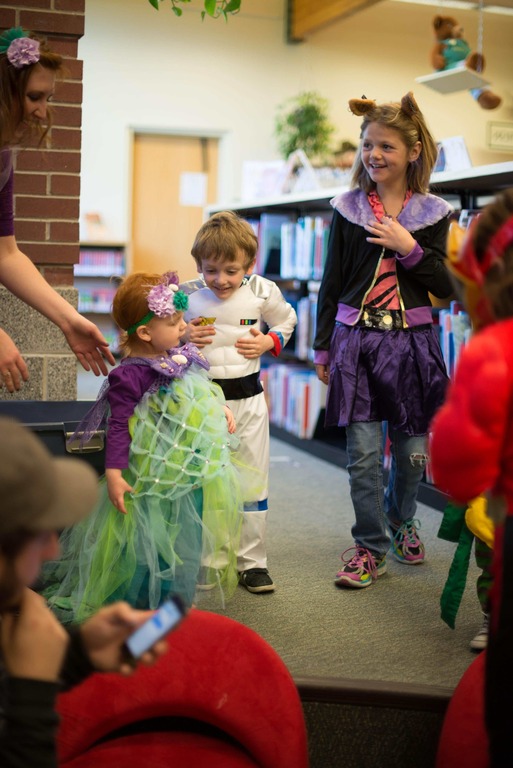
x: 252, y: 419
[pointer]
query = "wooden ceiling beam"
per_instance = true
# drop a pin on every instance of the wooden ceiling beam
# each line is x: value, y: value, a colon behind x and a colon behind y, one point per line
x: 307, y: 16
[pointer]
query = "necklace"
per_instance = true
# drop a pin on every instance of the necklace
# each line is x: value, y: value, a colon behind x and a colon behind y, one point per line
x: 391, y: 215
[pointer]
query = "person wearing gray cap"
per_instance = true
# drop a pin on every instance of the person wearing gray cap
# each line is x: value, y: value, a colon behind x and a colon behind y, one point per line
x: 39, y: 495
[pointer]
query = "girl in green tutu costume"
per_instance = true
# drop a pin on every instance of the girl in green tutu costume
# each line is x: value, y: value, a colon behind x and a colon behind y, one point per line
x: 170, y: 496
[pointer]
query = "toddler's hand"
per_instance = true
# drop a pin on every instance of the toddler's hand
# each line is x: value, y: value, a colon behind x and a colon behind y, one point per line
x: 117, y: 486
x: 230, y: 418
x: 198, y: 333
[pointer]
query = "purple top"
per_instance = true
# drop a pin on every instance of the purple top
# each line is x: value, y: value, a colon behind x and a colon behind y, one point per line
x: 127, y: 385
x: 7, y: 206
x: 124, y: 387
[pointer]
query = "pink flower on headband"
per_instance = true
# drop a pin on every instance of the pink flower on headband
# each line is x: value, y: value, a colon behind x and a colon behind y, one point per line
x: 161, y: 299
x: 23, y: 51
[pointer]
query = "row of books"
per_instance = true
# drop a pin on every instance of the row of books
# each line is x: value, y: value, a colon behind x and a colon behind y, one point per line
x: 295, y: 397
x: 290, y: 247
x: 304, y: 245
x: 98, y: 299
x: 101, y: 262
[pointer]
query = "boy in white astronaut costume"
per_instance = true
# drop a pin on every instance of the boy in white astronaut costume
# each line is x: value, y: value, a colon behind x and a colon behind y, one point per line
x: 227, y: 307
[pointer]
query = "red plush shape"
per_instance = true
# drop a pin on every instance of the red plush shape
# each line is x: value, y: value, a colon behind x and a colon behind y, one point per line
x: 463, y: 740
x: 216, y: 671
x: 163, y: 750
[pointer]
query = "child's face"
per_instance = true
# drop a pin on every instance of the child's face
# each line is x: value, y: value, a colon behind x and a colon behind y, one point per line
x: 225, y: 277
x: 385, y: 156
x: 165, y: 332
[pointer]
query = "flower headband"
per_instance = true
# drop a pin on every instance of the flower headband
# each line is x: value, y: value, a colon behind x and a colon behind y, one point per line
x: 164, y: 300
x: 21, y: 50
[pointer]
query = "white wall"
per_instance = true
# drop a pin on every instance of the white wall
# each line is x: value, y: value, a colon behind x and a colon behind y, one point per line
x: 145, y: 69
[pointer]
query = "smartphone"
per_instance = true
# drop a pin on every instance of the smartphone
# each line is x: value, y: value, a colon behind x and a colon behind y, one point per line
x: 166, y: 618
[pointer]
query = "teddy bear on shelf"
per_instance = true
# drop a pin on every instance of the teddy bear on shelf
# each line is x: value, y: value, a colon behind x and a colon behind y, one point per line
x: 451, y: 51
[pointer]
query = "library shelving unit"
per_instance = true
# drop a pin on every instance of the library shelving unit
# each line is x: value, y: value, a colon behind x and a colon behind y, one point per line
x: 292, y: 231
x: 96, y: 277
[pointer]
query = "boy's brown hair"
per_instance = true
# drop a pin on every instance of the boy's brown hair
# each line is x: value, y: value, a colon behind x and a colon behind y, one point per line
x: 224, y: 237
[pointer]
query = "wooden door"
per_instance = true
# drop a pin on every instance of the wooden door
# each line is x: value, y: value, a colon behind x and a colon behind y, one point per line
x: 167, y: 204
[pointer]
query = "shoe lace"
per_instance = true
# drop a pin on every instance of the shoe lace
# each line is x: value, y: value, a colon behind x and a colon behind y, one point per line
x: 408, y: 532
x: 362, y: 558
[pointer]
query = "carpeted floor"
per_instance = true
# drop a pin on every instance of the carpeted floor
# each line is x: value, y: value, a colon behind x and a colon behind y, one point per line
x: 391, y: 631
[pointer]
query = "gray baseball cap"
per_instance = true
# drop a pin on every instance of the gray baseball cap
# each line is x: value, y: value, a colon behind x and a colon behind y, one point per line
x: 38, y: 491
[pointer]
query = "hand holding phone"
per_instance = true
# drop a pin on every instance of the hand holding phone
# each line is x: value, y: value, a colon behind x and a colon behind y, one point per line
x: 165, y: 618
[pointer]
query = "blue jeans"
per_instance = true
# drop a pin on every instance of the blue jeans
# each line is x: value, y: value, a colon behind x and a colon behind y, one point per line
x: 373, y: 504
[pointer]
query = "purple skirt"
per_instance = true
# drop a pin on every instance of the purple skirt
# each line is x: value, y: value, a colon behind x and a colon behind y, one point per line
x: 395, y: 376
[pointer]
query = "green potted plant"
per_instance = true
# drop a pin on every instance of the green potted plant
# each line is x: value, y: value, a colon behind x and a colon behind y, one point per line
x: 302, y: 123
x: 213, y: 8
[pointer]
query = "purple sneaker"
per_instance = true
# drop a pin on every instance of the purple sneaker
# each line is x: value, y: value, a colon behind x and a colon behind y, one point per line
x: 361, y: 569
x: 406, y: 544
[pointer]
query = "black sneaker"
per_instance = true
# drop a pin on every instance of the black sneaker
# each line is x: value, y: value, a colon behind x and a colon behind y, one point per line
x: 257, y: 580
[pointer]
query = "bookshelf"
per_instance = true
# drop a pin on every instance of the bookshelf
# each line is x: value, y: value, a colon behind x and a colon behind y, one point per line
x: 96, y: 276
x: 292, y: 231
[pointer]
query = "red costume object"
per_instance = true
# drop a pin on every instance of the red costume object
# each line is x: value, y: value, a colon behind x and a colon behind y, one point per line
x: 472, y: 433
x: 472, y: 452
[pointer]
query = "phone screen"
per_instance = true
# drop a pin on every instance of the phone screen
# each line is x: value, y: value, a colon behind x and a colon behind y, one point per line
x: 166, y: 618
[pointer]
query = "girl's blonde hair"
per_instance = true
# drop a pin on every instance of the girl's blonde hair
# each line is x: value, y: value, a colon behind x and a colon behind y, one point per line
x: 13, y: 87
x: 406, y: 118
x: 224, y: 237
x: 498, y: 280
x: 130, y: 305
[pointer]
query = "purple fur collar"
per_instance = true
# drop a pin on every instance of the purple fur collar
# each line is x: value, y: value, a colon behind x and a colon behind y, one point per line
x: 420, y: 211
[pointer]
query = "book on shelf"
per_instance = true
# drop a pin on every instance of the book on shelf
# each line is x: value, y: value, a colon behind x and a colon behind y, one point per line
x: 269, y: 250
x: 455, y: 331
x: 304, y: 244
x: 295, y: 397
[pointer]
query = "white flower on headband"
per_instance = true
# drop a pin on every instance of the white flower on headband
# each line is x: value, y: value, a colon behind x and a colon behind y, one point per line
x: 23, y: 51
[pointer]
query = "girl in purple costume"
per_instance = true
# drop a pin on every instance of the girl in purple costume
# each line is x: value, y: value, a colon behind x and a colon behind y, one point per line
x: 375, y: 344
x: 170, y: 494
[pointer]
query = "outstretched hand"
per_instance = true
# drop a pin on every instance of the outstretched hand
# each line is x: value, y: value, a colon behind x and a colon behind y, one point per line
x: 13, y: 369
x: 88, y: 344
x: 104, y: 635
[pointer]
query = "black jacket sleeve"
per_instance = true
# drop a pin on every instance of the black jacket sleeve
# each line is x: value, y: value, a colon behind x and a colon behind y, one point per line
x: 29, y: 722
x: 29, y: 727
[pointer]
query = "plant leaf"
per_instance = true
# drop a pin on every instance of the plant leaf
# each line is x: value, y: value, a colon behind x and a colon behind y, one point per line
x: 154, y: 3
x: 232, y: 6
x: 211, y: 7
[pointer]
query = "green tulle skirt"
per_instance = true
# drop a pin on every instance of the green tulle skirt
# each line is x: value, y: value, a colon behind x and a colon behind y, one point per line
x: 184, y: 513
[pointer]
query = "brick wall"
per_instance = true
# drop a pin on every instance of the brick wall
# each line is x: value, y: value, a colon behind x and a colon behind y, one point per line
x: 47, y: 190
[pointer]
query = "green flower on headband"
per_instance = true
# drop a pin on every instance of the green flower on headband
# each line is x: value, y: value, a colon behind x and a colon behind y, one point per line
x: 181, y: 301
